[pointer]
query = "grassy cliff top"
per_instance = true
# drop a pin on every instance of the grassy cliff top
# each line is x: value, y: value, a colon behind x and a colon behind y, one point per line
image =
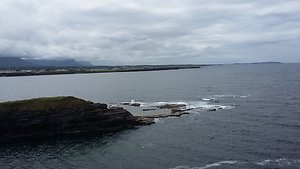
x: 43, y: 104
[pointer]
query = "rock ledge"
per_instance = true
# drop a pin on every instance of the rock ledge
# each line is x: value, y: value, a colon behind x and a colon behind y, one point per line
x: 62, y: 116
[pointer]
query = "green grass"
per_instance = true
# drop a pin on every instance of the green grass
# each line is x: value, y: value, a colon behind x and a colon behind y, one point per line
x: 42, y: 104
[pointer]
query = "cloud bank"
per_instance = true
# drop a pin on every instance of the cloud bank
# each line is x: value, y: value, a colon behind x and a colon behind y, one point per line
x: 152, y: 31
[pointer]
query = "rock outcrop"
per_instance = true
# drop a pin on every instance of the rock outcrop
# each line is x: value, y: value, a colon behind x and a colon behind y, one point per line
x: 62, y: 116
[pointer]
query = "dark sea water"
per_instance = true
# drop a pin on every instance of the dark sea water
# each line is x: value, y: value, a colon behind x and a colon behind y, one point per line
x: 257, y: 124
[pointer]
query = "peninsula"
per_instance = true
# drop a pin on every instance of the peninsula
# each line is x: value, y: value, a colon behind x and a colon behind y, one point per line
x: 33, y: 71
x: 62, y: 116
x: 16, y: 66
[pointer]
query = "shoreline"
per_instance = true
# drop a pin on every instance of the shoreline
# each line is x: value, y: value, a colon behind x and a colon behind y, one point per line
x: 112, y: 69
x: 68, y: 116
x: 62, y: 116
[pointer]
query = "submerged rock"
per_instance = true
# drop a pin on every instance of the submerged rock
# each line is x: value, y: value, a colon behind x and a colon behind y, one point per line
x: 149, y: 119
x: 149, y: 109
x: 171, y: 106
x: 176, y: 109
x: 135, y: 104
x: 62, y: 116
x: 132, y: 103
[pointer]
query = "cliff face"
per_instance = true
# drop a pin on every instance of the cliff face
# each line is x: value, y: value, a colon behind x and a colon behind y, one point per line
x: 59, y: 116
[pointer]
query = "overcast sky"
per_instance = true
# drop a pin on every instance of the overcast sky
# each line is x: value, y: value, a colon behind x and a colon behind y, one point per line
x: 152, y: 31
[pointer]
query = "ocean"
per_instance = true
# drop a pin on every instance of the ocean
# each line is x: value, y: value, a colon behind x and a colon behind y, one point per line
x: 256, y: 123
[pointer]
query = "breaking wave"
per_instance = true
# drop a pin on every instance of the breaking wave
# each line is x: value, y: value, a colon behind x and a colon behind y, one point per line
x: 206, y: 106
x: 158, y: 120
x: 132, y: 102
x: 279, y: 162
x: 275, y: 163
x: 231, y: 96
x: 190, y: 105
x: 217, y: 164
x: 208, y: 99
x: 197, y: 105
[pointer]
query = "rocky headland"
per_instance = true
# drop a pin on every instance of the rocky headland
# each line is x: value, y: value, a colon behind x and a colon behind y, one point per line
x: 63, y: 116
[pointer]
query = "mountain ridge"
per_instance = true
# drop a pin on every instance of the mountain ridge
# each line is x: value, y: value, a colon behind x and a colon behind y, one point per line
x: 17, y: 62
x: 9, y: 62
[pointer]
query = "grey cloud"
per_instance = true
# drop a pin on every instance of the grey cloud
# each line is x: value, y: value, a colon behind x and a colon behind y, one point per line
x: 152, y: 32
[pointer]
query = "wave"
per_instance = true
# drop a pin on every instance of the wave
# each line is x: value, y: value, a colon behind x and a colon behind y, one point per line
x: 215, y: 98
x: 208, y: 99
x: 192, y: 105
x: 275, y: 163
x: 155, y: 104
x: 132, y: 102
x: 231, y: 96
x: 207, y: 106
x: 279, y: 162
x: 158, y: 120
x: 217, y: 164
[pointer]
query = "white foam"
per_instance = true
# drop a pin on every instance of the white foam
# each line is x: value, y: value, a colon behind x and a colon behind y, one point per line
x: 231, y: 96
x: 208, y: 165
x: 207, y: 99
x: 181, y: 167
x: 158, y: 120
x: 206, y: 106
x: 110, y: 106
x: 217, y: 164
x: 278, y: 162
x: 262, y: 163
x: 268, y: 162
x: 132, y: 102
x: 164, y: 103
x: 191, y: 105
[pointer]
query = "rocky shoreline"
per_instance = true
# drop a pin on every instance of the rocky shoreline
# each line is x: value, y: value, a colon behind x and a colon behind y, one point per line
x: 62, y: 116
x: 67, y: 116
x: 161, y: 111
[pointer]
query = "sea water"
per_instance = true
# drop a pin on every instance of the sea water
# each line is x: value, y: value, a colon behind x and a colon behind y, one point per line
x: 255, y: 122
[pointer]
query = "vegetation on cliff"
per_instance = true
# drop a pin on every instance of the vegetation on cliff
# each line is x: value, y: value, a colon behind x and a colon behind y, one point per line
x: 43, y: 104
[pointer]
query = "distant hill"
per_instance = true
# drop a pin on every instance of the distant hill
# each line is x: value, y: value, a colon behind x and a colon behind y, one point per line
x: 265, y: 63
x: 16, y: 62
x: 257, y: 63
x: 54, y: 63
x: 85, y: 63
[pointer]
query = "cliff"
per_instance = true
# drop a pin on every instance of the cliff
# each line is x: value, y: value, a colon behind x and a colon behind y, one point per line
x: 62, y: 116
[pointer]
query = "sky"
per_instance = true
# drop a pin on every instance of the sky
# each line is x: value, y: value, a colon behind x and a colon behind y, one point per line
x: 152, y: 31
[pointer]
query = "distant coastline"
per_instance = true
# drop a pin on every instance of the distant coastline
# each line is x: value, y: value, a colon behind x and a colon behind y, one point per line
x: 79, y: 69
x: 253, y: 63
x: 10, y: 72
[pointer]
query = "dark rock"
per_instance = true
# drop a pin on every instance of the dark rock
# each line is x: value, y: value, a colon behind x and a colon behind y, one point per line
x: 171, y: 106
x: 151, y: 117
x: 135, y: 104
x: 174, y: 111
x: 145, y: 120
x: 131, y: 104
x: 61, y: 116
x: 150, y: 109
